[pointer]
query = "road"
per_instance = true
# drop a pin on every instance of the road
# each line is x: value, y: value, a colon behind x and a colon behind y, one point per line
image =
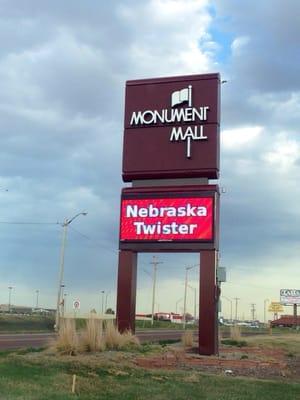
x: 23, y: 340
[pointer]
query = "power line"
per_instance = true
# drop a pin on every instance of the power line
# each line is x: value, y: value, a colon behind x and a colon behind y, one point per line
x: 95, y: 242
x: 28, y: 223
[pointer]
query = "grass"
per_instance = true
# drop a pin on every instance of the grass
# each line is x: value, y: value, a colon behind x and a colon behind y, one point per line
x: 25, y: 377
x: 234, y: 342
x: 289, y: 342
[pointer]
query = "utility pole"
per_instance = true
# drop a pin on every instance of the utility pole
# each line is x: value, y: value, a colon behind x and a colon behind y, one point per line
x: 155, y: 264
x: 236, y: 307
x: 265, y: 303
x: 10, y: 288
x: 228, y: 299
x: 253, y: 311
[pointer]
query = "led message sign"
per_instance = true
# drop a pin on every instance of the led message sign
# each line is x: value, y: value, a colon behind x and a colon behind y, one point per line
x: 167, y: 218
x: 171, y: 128
x: 289, y: 296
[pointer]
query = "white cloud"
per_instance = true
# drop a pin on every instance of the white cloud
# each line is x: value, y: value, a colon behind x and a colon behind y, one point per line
x: 239, y: 43
x: 283, y: 154
x: 240, y: 138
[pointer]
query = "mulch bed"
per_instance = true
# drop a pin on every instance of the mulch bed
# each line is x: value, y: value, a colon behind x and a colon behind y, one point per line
x: 232, y: 361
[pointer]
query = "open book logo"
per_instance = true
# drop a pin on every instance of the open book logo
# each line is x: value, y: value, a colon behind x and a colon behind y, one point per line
x: 181, y: 96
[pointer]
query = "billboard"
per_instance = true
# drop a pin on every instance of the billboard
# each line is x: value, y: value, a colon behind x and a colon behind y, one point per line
x: 275, y: 307
x: 289, y: 296
x: 171, y: 128
x: 167, y: 218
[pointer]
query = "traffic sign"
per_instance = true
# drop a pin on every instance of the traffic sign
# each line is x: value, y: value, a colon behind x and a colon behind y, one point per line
x: 76, y: 304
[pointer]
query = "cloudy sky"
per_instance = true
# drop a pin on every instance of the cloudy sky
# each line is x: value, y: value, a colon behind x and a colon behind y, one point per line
x: 63, y: 67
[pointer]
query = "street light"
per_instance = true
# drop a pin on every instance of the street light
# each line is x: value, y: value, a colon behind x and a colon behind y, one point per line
x: 65, y: 302
x: 155, y: 264
x: 177, y: 302
x: 106, y: 296
x: 265, y: 304
x: 185, y: 292
x: 10, y: 288
x: 195, y: 300
x: 37, y: 298
x: 65, y: 225
x: 236, y: 307
x: 102, y: 301
x: 228, y: 299
x: 62, y: 300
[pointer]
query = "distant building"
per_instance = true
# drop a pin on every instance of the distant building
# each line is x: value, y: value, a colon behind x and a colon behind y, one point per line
x: 286, y: 321
x: 5, y: 308
x: 161, y: 316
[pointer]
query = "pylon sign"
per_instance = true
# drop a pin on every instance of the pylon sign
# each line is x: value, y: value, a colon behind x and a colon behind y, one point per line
x: 171, y: 148
x: 289, y: 296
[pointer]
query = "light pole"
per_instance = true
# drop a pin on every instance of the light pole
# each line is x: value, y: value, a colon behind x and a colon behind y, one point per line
x: 106, y: 296
x: 62, y: 301
x: 155, y: 264
x: 177, y: 302
x: 10, y: 288
x: 37, y: 299
x: 102, y: 301
x: 236, y: 307
x: 65, y: 225
x: 253, y: 311
x: 228, y: 299
x: 185, y: 292
x: 265, y: 311
x: 65, y: 302
x: 195, y: 300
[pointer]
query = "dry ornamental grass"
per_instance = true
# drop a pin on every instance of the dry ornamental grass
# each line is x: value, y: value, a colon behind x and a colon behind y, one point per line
x: 67, y: 340
x: 93, y: 338
x: 187, y: 339
x: 116, y: 340
x: 235, y: 332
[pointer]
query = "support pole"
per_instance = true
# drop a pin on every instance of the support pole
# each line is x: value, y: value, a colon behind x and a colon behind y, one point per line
x: 208, y: 302
x: 126, y: 292
x: 295, y: 315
